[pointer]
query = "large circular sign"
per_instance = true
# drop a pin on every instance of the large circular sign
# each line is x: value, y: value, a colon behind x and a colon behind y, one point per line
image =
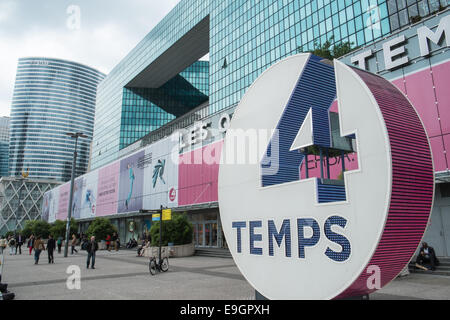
x: 320, y: 237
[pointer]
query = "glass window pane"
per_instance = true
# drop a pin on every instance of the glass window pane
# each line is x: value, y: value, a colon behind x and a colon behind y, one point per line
x: 423, y: 8
x: 413, y: 11
x: 434, y: 5
x: 401, y: 4
x: 403, y: 16
x: 392, y: 6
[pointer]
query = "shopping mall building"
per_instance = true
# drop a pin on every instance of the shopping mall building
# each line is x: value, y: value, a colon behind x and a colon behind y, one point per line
x: 162, y: 113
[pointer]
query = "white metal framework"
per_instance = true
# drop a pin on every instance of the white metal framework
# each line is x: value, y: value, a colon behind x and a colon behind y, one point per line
x: 29, y: 192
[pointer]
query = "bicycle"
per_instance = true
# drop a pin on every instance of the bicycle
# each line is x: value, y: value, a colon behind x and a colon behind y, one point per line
x: 161, y: 266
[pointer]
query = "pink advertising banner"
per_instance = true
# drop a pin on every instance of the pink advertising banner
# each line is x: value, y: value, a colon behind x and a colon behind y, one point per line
x: 108, y: 189
x: 63, y: 204
x: 198, y: 174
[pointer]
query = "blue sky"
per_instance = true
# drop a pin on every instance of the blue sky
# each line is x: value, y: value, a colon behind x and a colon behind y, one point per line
x: 106, y: 31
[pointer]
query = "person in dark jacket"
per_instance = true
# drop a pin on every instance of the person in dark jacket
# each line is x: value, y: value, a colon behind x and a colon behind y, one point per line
x: 91, y: 248
x: 19, y: 243
x: 115, y: 241
x: 51, y: 245
x: 427, y: 256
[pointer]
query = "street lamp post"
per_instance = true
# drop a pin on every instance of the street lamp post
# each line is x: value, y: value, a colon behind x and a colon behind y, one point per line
x: 72, y: 179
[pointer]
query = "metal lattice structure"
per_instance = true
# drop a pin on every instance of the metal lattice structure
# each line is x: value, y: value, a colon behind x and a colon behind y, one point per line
x: 29, y: 193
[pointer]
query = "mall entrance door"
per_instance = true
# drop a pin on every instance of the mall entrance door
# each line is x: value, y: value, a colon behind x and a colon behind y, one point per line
x: 205, y: 234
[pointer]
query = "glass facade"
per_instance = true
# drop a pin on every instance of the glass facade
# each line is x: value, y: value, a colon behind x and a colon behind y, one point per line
x: 245, y: 38
x: 51, y: 97
x: 4, y: 146
x: 147, y: 109
x: 107, y: 129
x: 404, y: 12
x: 252, y: 35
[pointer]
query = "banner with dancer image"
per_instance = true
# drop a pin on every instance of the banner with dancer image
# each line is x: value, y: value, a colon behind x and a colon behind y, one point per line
x: 89, y: 195
x: 131, y: 183
x: 77, y: 195
x: 161, y: 174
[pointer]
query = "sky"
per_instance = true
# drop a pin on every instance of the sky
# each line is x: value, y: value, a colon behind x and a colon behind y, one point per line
x: 98, y: 33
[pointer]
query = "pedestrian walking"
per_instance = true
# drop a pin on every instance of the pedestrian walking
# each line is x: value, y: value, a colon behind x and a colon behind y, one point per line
x: 91, y: 248
x: 3, y: 244
x: 12, y: 245
x: 38, y: 247
x: 59, y: 243
x: 74, y: 243
x: 30, y: 244
x: 51, y: 245
x: 115, y: 240
x: 19, y: 243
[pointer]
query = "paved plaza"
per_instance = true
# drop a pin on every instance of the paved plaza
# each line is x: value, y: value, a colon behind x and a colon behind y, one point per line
x: 121, y: 275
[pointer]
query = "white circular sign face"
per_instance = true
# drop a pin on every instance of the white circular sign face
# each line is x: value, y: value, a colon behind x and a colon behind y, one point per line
x: 294, y: 237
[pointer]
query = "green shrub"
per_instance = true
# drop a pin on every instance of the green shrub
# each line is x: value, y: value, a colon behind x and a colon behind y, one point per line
x: 100, y: 228
x: 9, y: 233
x: 58, y: 228
x: 329, y: 51
x: 37, y: 227
x: 178, y: 231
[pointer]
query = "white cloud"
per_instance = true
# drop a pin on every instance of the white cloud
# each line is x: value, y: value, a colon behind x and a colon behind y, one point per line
x: 7, y: 9
x: 100, y: 45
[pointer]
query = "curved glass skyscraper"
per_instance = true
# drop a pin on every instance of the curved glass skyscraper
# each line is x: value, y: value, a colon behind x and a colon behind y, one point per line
x: 51, y: 97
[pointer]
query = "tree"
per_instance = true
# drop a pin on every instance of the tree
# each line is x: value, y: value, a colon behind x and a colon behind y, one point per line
x: 58, y: 228
x: 39, y: 228
x: 100, y: 228
x: 9, y: 233
x: 178, y: 231
x: 329, y: 51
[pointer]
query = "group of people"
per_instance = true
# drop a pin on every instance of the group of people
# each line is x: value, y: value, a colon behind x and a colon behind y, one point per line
x: 37, y: 244
x: 112, y: 241
x: 14, y: 243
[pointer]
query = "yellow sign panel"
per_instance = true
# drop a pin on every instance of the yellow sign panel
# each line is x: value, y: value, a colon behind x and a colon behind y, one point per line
x: 167, y: 214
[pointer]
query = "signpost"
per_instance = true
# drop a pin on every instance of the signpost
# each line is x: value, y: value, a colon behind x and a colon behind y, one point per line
x: 166, y: 215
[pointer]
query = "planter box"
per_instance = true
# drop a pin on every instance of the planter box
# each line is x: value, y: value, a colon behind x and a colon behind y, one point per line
x: 185, y: 250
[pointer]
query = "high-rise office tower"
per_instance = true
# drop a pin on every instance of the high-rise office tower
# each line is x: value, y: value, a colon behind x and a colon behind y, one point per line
x: 51, y: 98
